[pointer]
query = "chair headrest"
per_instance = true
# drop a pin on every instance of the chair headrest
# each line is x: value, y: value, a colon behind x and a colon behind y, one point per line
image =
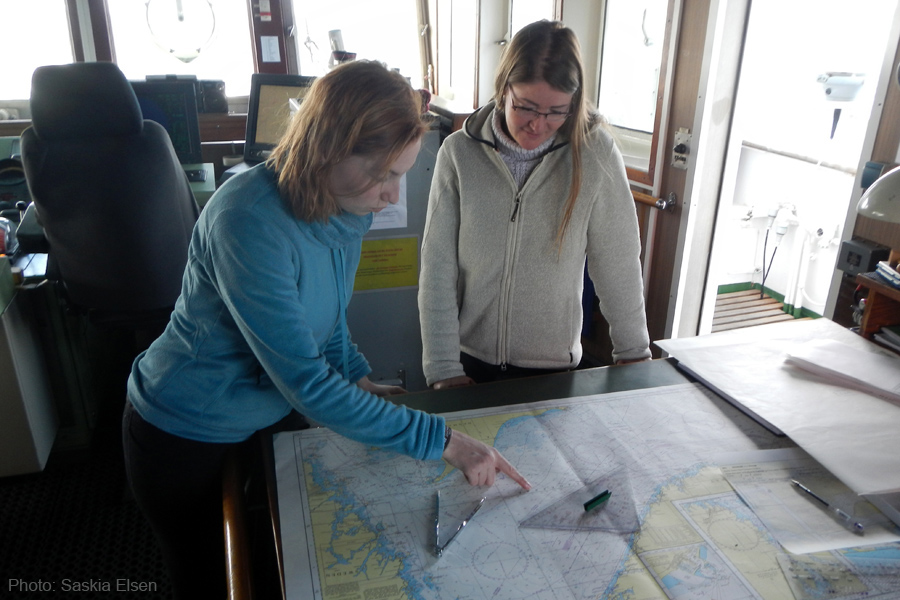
x: 83, y: 100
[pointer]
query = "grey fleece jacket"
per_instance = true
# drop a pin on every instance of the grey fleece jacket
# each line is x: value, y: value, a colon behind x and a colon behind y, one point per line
x: 493, y: 284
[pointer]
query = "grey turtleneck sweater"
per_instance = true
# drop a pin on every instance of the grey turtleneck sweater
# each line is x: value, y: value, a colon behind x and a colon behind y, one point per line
x: 521, y: 162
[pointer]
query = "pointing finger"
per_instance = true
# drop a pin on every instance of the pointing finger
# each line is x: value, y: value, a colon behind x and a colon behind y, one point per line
x: 504, y: 467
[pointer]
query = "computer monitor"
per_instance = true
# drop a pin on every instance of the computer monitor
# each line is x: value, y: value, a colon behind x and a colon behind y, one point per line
x: 173, y: 104
x: 274, y: 99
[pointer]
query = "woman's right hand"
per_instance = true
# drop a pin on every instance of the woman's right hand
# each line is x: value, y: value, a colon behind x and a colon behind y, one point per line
x: 458, y: 381
x: 479, y: 462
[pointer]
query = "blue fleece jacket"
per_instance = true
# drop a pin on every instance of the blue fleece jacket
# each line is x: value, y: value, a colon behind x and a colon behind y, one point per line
x: 260, y: 327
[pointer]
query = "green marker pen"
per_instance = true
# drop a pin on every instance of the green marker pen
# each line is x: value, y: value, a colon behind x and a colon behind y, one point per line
x: 597, y: 500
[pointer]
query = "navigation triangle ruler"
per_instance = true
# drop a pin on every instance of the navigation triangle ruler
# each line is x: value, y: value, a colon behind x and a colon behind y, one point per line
x: 617, y: 514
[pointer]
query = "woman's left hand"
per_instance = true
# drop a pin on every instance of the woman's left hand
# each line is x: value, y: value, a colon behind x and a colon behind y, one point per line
x: 379, y: 389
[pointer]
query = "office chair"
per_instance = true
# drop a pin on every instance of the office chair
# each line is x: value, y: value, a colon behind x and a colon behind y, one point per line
x: 114, y: 202
x: 117, y: 212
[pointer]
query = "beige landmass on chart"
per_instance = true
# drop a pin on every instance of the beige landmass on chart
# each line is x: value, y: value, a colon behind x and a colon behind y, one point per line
x: 486, y: 428
x: 343, y: 551
x: 739, y: 541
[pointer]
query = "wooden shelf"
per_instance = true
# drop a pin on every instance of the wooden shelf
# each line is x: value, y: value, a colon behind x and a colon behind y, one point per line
x: 214, y: 127
x: 873, y: 282
x: 14, y: 128
x: 882, y: 304
x: 222, y: 127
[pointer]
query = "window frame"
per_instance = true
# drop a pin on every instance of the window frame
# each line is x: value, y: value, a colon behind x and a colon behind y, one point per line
x: 92, y: 40
x: 100, y: 46
x: 92, y: 36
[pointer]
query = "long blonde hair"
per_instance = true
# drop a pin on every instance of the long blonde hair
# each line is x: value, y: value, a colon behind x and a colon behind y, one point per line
x: 549, y: 51
x: 358, y: 109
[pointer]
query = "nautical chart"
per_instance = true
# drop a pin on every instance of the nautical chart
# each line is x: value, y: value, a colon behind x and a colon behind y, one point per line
x: 358, y: 522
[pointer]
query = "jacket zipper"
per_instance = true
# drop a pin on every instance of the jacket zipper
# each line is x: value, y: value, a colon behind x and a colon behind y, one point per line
x: 512, y: 242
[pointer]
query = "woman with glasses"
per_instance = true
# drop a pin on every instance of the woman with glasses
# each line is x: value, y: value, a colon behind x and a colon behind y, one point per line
x: 529, y: 188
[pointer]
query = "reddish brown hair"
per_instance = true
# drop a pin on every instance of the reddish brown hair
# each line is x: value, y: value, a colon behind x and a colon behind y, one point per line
x: 360, y: 108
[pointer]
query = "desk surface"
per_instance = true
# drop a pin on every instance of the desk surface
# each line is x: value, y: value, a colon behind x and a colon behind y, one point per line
x: 358, y: 518
x: 631, y: 428
x: 603, y: 380
x: 518, y: 391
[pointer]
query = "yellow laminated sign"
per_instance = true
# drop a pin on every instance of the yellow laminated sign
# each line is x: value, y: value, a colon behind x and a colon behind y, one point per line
x: 388, y: 263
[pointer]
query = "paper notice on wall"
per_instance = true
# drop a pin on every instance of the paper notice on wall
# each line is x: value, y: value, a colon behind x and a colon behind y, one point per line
x: 265, y: 10
x: 270, y: 51
x: 394, y: 215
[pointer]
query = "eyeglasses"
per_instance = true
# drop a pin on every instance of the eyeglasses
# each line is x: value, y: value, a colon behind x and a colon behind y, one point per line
x: 530, y: 114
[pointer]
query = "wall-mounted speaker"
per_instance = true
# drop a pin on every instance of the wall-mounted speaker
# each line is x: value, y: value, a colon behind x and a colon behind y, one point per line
x: 211, y: 96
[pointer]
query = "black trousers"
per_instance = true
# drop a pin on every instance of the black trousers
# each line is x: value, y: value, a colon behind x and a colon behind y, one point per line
x: 483, y: 372
x: 178, y: 485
